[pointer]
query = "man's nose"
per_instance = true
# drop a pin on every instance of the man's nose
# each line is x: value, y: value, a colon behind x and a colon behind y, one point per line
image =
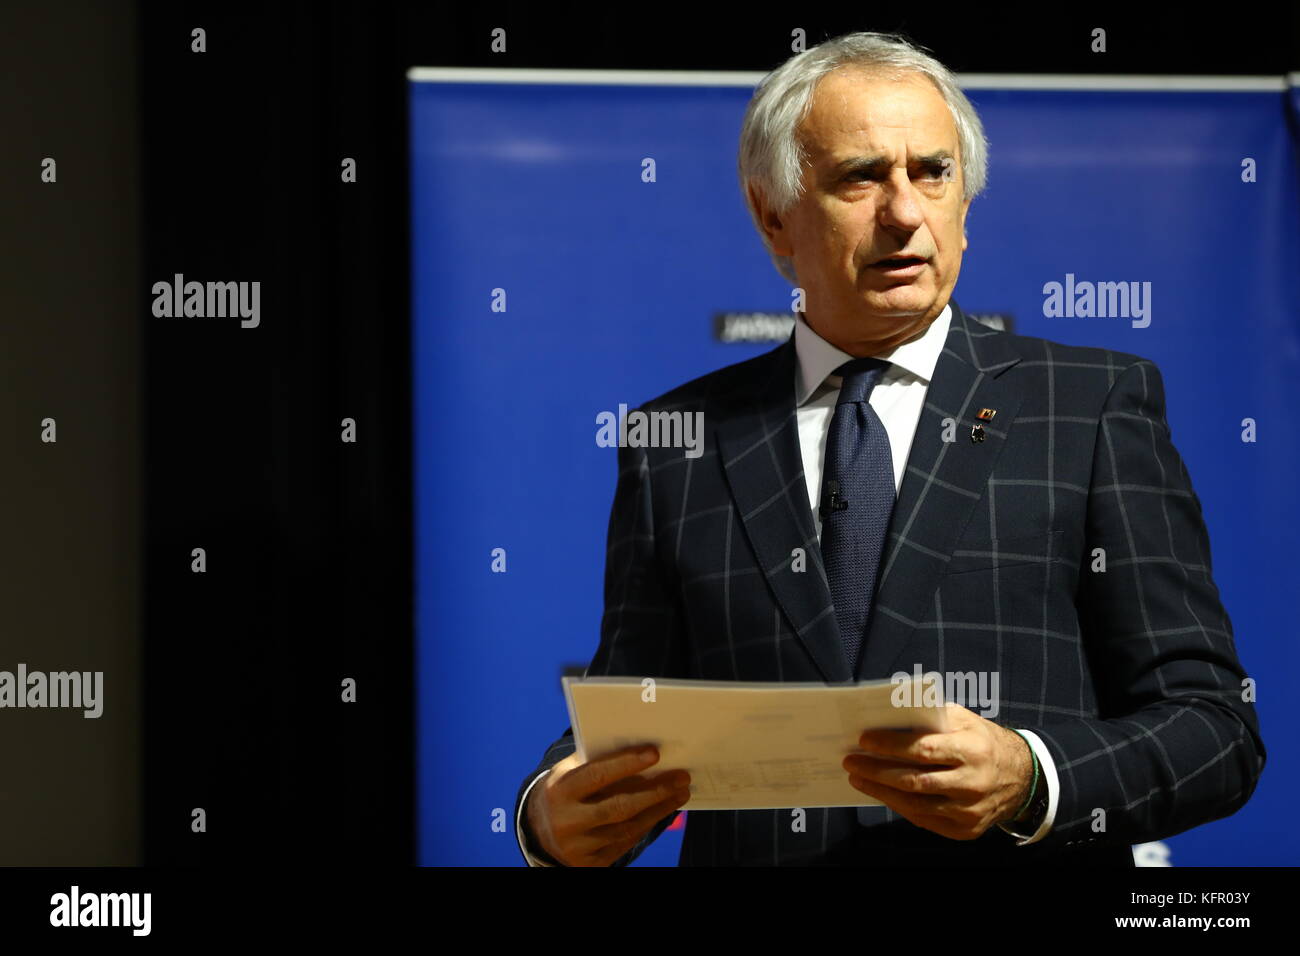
x: 900, y: 207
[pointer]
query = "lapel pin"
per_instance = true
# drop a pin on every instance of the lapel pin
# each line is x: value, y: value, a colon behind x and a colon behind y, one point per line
x: 977, y: 431
x: 986, y: 414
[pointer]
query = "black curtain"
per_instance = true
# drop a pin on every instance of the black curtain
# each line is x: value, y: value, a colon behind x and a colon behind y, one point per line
x: 307, y: 539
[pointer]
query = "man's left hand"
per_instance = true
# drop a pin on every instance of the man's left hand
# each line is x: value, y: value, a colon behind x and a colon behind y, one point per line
x: 956, y: 784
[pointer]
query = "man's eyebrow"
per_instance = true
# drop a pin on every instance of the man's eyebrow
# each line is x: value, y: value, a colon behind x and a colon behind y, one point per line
x: 872, y: 163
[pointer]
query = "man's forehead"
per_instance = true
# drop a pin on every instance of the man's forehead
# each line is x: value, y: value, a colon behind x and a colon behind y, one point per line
x: 852, y: 110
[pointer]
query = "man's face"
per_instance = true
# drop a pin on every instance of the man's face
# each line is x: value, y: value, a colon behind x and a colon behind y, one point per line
x: 876, y: 186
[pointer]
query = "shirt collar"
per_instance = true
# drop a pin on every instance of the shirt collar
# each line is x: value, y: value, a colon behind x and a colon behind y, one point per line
x: 818, y: 358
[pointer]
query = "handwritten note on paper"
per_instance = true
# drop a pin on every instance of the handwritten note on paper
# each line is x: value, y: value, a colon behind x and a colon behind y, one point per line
x: 749, y: 746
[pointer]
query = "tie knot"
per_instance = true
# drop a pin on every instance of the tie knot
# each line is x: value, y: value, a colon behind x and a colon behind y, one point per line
x: 860, y: 377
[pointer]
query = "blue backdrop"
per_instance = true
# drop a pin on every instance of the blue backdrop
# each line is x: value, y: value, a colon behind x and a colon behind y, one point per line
x: 611, y: 287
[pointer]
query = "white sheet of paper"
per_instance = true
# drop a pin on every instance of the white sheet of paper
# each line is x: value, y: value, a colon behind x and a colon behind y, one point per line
x: 748, y: 746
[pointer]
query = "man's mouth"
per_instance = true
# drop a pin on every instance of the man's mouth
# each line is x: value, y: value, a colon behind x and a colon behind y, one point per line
x: 900, y: 265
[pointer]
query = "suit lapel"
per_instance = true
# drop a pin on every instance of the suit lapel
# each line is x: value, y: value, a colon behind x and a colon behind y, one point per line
x: 758, y: 438
x: 943, y: 482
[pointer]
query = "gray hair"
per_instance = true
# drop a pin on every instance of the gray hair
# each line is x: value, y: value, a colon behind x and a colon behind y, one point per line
x: 773, y: 157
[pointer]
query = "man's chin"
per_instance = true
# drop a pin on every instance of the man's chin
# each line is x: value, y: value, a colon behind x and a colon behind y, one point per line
x: 899, y: 302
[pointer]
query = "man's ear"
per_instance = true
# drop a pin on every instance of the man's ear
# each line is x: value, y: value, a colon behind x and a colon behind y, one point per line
x: 773, y: 226
x: 965, y: 208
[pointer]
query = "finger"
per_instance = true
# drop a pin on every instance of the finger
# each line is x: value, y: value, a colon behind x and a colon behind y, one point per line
x: 628, y: 802
x: 910, y: 777
x: 678, y: 779
x: 900, y: 801
x: 915, y: 746
x: 595, y: 775
x: 937, y: 813
x: 603, y: 845
x: 934, y: 813
x: 626, y: 834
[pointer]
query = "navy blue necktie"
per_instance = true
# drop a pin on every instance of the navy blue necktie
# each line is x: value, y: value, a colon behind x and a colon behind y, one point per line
x: 857, y: 500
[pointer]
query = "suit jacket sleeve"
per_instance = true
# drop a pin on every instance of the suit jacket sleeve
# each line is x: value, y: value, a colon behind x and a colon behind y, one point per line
x: 642, y: 631
x: 1175, y: 745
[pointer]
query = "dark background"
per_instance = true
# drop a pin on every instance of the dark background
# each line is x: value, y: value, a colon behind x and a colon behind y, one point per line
x: 225, y: 166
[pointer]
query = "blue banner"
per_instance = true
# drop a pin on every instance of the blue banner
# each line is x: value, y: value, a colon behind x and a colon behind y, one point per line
x: 554, y: 283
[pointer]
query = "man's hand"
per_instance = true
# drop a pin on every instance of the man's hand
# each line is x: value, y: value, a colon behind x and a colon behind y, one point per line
x: 591, y: 814
x: 956, y: 784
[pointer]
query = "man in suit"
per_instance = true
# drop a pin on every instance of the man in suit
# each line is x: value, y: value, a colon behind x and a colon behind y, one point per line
x: 898, y: 487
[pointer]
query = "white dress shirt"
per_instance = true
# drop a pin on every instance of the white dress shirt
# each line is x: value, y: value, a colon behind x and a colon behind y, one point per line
x: 897, y: 398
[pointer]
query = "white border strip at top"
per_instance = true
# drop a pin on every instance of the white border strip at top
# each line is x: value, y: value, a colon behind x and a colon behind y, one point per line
x: 469, y: 74
x: 970, y: 81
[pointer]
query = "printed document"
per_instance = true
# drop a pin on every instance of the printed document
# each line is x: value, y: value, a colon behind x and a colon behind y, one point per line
x: 749, y: 746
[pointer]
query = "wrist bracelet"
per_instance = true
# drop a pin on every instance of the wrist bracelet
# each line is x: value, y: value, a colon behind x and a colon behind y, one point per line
x: 1034, y: 786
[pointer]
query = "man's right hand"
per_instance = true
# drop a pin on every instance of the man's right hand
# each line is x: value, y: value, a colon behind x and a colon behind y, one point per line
x: 590, y: 814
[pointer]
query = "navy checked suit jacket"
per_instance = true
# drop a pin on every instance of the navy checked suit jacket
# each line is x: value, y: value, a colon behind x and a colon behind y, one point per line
x: 1130, y: 676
